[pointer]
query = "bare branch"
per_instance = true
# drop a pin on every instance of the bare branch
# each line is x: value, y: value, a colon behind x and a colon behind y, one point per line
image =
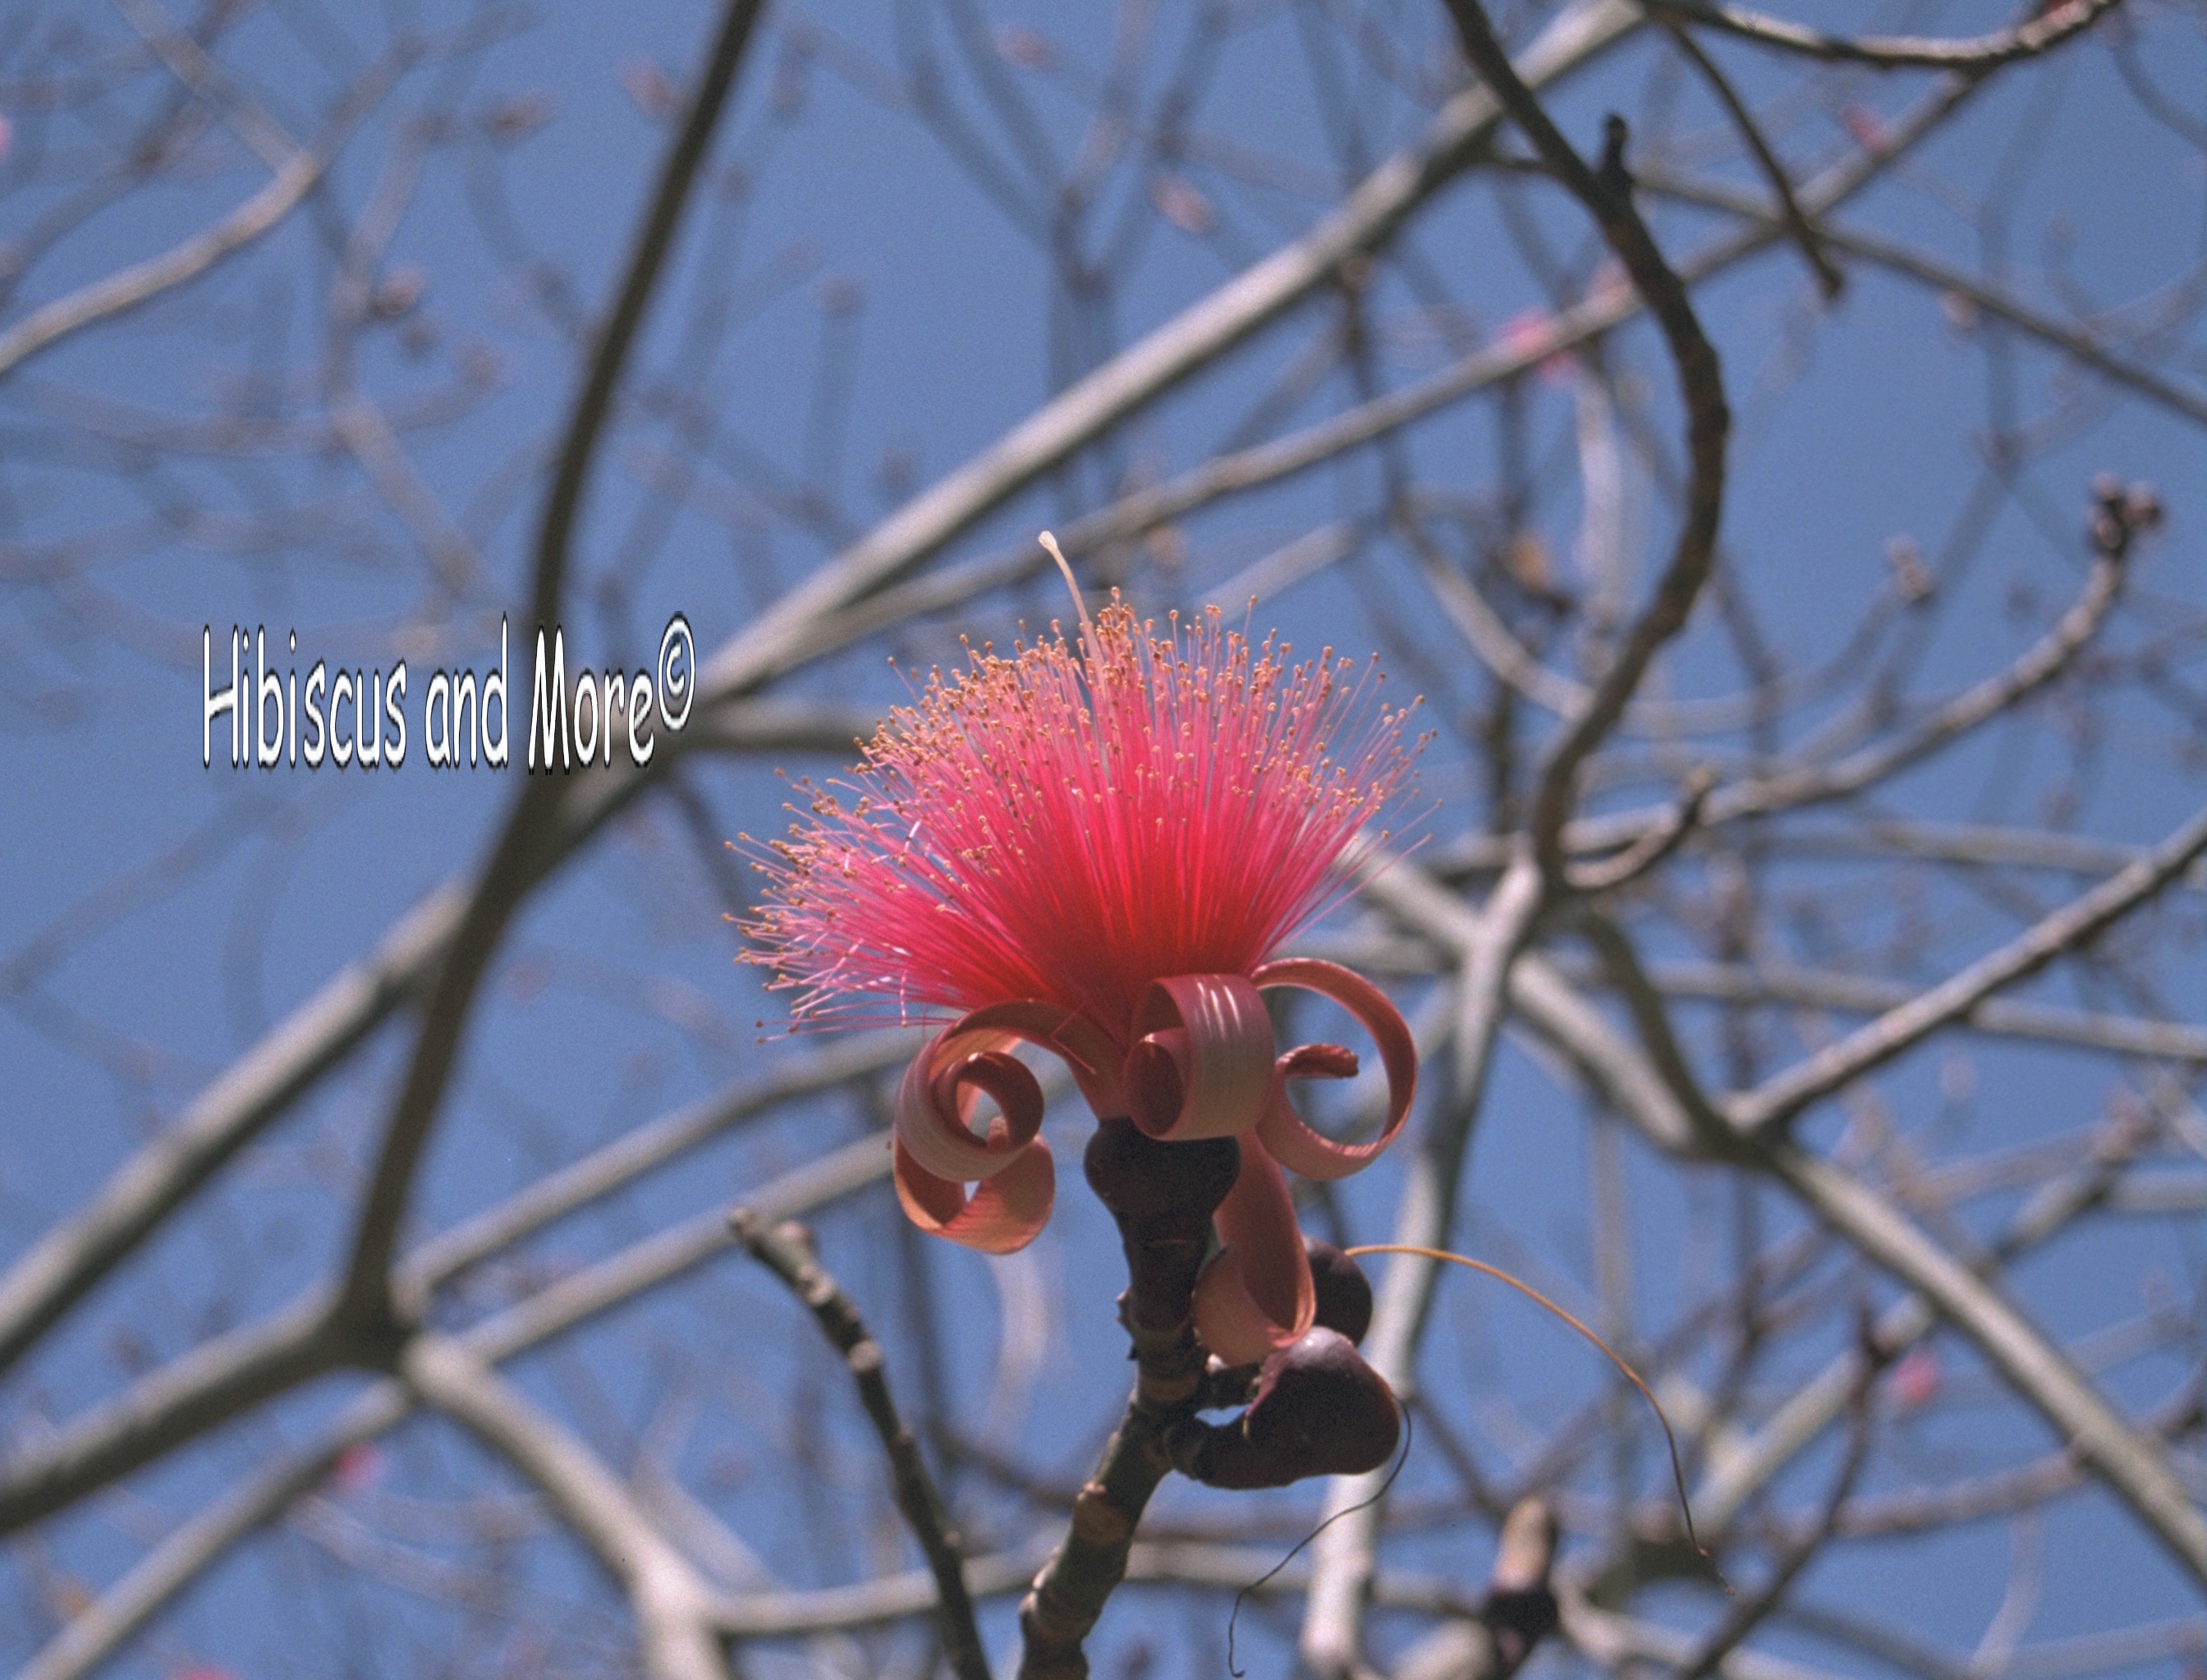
x: 180, y: 1557
x: 1750, y: 1613
x: 675, y: 1613
x: 2174, y: 1040
x: 1488, y: 947
x: 786, y: 1250
x: 558, y: 1194
x: 101, y: 1629
x: 1608, y: 200
x: 1145, y: 370
x: 1790, y: 212
x: 74, y: 1256
x: 518, y: 859
x: 2072, y: 340
x: 1814, y: 784
x: 2126, y: 1462
x: 1768, y: 1107
x: 211, y: 1384
x: 608, y: 357
x: 1737, y: 1468
x: 143, y: 282
x: 1974, y: 55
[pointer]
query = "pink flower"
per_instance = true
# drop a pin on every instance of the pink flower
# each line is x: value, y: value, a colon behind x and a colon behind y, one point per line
x: 1097, y: 851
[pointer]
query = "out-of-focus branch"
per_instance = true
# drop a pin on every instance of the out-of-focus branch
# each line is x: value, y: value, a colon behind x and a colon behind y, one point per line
x: 633, y: 1154
x: 1854, y: 993
x: 1608, y: 199
x: 215, y: 1382
x: 1488, y: 947
x: 1797, y: 222
x: 786, y: 1250
x: 1652, y: 848
x: 1973, y: 844
x: 174, y: 1563
x: 1343, y: 1560
x: 1771, y: 1105
x: 2070, y: 337
x: 74, y: 1256
x: 676, y: 1621
x: 101, y: 1629
x: 218, y: 1381
x: 1812, y: 784
x: 1621, y: 964
x: 143, y: 282
x: 608, y: 357
x: 1971, y: 56
x: 2125, y: 1461
x: 1750, y: 1613
x: 1738, y: 1468
x: 1145, y: 370
x: 772, y: 723
x: 519, y: 856
x: 189, y: 63
x: 1519, y: 1612
x: 1613, y: 1642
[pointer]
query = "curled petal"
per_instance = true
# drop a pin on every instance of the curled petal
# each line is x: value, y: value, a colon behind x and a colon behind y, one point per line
x: 1285, y: 1132
x: 935, y: 1103
x: 1256, y: 1294
x: 936, y: 1153
x: 1201, y: 1065
x: 1004, y: 1213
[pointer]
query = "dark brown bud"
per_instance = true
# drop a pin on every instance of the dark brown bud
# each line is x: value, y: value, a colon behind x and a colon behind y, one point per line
x: 1344, y: 1294
x: 1320, y: 1411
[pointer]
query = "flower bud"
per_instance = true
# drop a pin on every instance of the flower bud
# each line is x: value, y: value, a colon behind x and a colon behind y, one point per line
x: 1320, y: 1411
x: 1344, y: 1294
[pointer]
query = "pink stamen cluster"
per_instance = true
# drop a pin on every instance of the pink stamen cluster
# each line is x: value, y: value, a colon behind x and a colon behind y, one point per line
x: 1072, y: 827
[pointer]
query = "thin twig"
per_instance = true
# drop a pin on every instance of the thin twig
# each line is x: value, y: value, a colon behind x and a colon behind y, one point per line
x: 141, y: 282
x: 1751, y: 1612
x: 1971, y: 56
x: 1771, y: 1105
x: 787, y: 1251
x: 676, y: 1624
x: 1796, y: 221
x: 2072, y: 339
x: 520, y: 855
x: 1709, y: 423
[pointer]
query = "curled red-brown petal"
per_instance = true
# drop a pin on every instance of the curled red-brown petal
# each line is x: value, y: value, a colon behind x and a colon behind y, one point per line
x: 1256, y: 1294
x: 935, y: 1103
x: 1005, y: 1213
x: 1201, y: 1065
x: 1286, y: 1133
x: 937, y: 1152
x: 935, y: 1106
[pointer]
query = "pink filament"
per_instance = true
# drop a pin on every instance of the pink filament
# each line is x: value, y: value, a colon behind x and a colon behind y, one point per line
x: 1071, y: 827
